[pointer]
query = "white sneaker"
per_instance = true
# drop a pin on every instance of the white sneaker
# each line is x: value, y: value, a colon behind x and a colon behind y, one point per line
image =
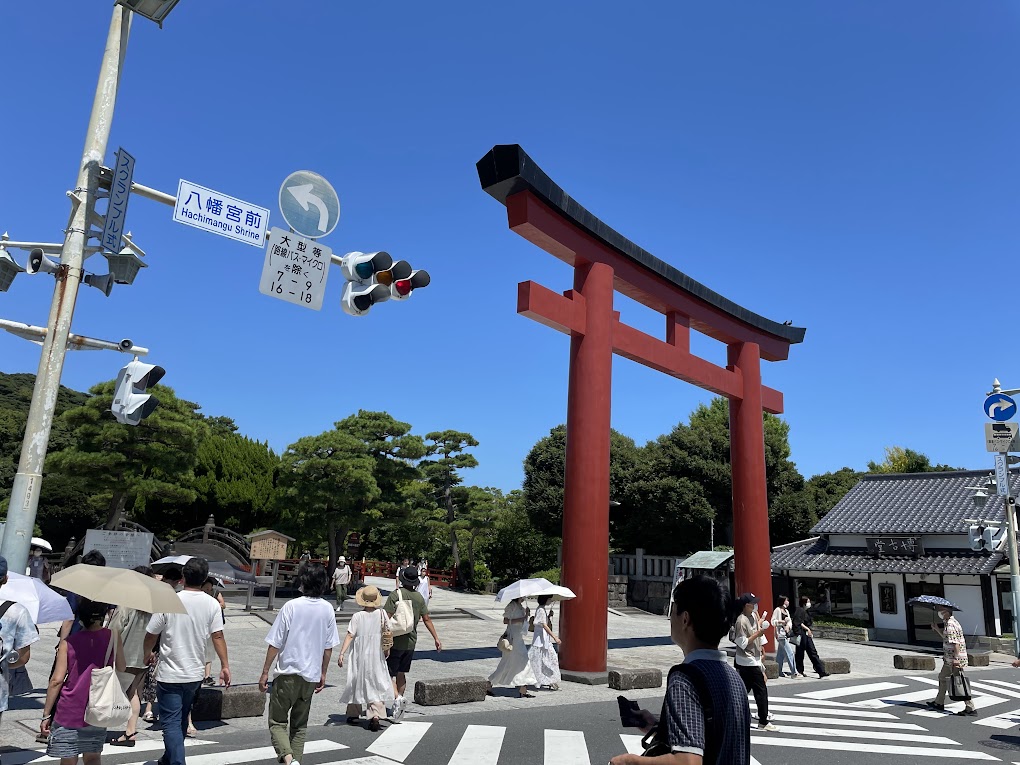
x: 769, y: 727
x: 768, y: 717
x: 399, y: 706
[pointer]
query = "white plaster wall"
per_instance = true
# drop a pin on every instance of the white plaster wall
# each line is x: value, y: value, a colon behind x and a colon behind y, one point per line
x: 971, y: 614
x: 897, y: 621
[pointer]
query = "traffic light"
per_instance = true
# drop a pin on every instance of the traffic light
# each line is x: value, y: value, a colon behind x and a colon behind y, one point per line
x: 401, y: 289
x: 976, y: 535
x: 989, y: 537
x: 131, y: 404
x: 363, y: 288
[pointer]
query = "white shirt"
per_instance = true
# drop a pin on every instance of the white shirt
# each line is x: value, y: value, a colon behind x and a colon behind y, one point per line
x: 342, y: 575
x: 304, y: 628
x: 184, y: 637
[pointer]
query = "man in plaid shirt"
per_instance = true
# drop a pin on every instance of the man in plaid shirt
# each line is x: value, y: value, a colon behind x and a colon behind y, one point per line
x: 954, y: 659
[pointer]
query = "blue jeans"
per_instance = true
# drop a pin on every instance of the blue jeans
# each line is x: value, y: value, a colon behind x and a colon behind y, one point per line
x: 174, y: 700
x: 784, y: 652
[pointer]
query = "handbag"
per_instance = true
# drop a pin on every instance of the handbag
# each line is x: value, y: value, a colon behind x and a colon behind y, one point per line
x: 959, y: 687
x: 387, y: 634
x: 795, y: 640
x: 402, y: 620
x: 504, y: 643
x: 108, y: 706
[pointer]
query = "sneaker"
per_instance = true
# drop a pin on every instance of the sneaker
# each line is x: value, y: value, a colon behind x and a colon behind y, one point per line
x: 399, y: 706
x: 338, y: 609
x: 967, y: 713
x: 208, y: 681
x: 933, y: 705
x: 768, y: 717
x: 768, y: 726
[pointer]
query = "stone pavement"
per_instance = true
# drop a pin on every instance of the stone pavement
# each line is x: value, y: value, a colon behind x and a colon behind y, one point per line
x: 469, y: 626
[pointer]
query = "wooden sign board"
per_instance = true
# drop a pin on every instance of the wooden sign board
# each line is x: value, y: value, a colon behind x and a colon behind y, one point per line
x: 122, y: 549
x: 269, y: 545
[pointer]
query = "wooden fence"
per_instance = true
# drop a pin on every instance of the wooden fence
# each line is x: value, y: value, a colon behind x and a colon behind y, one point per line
x: 361, y: 569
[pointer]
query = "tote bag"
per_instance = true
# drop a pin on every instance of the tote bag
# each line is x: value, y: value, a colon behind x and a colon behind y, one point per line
x: 959, y: 687
x: 108, y: 706
x: 402, y: 620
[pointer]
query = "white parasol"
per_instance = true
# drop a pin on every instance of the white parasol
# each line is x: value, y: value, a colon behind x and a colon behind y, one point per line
x: 44, y: 605
x: 522, y: 588
x: 555, y: 592
x: 41, y: 543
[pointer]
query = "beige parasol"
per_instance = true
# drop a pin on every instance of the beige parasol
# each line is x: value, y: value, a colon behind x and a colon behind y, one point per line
x: 119, y: 587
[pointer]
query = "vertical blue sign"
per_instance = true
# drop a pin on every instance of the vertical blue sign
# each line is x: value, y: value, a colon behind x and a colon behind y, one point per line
x: 120, y: 191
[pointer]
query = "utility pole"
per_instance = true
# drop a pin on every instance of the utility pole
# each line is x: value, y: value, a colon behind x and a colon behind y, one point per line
x: 24, y: 500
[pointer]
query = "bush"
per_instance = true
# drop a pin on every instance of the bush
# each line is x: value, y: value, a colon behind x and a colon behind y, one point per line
x: 840, y: 621
x: 552, y: 574
x: 482, y: 576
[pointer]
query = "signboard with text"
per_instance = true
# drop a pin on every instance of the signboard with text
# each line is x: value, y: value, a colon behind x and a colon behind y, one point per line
x: 120, y: 192
x: 122, y: 549
x: 899, y: 546
x: 1001, y: 436
x: 295, y: 269
x: 218, y: 213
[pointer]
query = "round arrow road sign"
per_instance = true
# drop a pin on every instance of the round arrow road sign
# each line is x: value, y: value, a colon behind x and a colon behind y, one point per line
x: 309, y: 204
x: 1000, y: 407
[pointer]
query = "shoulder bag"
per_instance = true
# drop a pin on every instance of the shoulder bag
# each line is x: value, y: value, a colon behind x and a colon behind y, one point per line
x: 387, y: 634
x: 108, y: 706
x: 402, y: 620
x: 959, y: 686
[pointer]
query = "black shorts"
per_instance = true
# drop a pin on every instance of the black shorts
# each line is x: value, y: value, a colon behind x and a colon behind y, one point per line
x: 399, y: 661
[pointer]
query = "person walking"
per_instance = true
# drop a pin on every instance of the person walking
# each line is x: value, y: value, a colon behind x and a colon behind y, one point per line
x: 514, y: 668
x: 400, y: 570
x: 38, y: 566
x: 399, y: 660
x: 211, y: 588
x: 72, y: 625
x: 182, y: 639
x: 783, y: 623
x: 954, y: 659
x: 341, y: 581
x: 748, y: 635
x: 368, y: 682
x: 802, y: 623
x: 301, y: 642
x: 545, y: 662
x: 67, y: 696
x: 129, y: 625
x: 424, y: 588
x: 713, y: 730
x: 17, y: 633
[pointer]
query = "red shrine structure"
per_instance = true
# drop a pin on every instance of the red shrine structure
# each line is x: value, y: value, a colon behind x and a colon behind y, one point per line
x: 604, y: 262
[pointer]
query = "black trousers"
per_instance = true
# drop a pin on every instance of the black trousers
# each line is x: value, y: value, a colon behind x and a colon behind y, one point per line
x: 807, y: 645
x: 754, y: 682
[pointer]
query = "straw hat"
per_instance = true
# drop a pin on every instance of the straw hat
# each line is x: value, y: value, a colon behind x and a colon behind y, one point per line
x: 369, y: 597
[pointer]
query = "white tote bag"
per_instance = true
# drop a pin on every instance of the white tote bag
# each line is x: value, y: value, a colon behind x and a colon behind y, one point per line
x: 402, y: 620
x: 108, y: 706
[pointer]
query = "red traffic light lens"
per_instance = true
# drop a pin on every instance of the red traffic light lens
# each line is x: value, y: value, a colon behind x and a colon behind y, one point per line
x: 403, y: 286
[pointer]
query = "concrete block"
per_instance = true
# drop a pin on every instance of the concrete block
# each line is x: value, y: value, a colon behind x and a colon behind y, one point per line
x: 837, y: 666
x: 978, y: 659
x: 913, y: 661
x: 584, y: 678
x: 218, y: 703
x: 629, y: 679
x: 771, y: 669
x: 450, y: 690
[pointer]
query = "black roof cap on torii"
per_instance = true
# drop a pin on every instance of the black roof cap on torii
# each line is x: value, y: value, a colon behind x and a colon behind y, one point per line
x: 507, y: 170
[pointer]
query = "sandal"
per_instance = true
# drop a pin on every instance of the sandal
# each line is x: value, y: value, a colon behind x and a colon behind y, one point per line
x: 526, y: 695
x: 124, y: 740
x: 148, y: 717
x: 191, y: 731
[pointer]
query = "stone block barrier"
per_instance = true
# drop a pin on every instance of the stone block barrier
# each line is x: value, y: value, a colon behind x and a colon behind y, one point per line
x: 978, y: 659
x: 629, y: 679
x: 913, y: 661
x: 219, y: 703
x: 450, y: 690
x: 837, y: 666
x: 771, y: 669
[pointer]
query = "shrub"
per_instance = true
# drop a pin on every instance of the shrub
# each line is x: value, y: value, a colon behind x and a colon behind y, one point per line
x: 552, y: 574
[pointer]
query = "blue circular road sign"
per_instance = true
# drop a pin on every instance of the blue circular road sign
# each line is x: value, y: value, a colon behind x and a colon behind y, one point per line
x: 309, y: 204
x: 1000, y: 407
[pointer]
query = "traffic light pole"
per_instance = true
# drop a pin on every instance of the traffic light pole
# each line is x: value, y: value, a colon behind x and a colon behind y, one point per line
x: 1014, y: 567
x: 24, y: 502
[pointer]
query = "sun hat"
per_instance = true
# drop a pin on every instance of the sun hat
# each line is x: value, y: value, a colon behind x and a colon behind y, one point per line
x: 409, y: 577
x: 368, y: 596
x: 341, y: 559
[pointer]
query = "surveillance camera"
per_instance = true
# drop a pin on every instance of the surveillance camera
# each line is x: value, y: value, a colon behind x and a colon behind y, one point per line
x: 126, y: 345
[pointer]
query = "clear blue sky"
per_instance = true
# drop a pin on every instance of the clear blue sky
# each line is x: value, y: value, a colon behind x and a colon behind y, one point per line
x: 852, y: 167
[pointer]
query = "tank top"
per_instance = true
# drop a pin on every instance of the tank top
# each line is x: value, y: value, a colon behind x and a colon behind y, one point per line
x: 85, y: 651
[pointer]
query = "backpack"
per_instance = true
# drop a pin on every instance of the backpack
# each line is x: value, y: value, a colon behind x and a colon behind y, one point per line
x: 656, y: 741
x: 402, y: 621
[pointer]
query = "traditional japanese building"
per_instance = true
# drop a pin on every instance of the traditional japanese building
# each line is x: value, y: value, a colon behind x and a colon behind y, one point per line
x: 896, y: 536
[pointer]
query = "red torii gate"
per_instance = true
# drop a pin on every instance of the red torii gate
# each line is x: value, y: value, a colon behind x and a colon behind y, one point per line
x: 604, y: 261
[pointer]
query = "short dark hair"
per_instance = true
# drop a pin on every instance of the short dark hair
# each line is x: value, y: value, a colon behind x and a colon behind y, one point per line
x: 543, y: 599
x: 94, y: 558
x: 780, y: 599
x: 90, y: 612
x: 196, y: 571
x: 172, y: 574
x: 312, y: 579
x: 804, y: 600
x: 146, y: 570
x: 709, y: 606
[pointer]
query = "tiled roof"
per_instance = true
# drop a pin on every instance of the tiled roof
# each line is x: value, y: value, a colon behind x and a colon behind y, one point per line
x: 911, y: 503
x: 707, y: 560
x: 816, y: 555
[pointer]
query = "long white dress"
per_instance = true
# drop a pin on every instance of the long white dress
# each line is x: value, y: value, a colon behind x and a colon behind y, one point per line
x: 514, y: 669
x: 368, y: 679
x: 423, y: 586
x: 545, y: 663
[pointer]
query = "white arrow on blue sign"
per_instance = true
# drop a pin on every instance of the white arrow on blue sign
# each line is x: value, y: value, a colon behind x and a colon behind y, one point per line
x: 309, y: 204
x: 1000, y: 407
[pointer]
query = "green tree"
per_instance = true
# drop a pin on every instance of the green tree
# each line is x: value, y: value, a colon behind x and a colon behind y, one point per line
x: 125, y: 465
x: 233, y: 478
x: 901, y: 460
x: 513, y: 548
x: 447, y: 455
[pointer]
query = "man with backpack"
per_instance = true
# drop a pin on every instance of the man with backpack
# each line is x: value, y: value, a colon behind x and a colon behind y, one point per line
x: 705, y: 717
x: 406, y: 599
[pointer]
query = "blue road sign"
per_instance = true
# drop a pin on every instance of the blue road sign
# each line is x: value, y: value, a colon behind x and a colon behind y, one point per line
x: 1000, y: 407
x: 120, y: 192
x: 309, y: 204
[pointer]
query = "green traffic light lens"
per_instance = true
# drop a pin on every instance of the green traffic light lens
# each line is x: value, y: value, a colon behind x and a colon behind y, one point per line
x: 364, y: 270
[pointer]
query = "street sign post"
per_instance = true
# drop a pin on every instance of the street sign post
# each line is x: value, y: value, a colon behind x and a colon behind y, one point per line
x: 221, y: 214
x: 295, y: 269
x: 1000, y: 407
x: 1000, y: 436
x: 1001, y: 475
x: 120, y: 192
x: 309, y: 204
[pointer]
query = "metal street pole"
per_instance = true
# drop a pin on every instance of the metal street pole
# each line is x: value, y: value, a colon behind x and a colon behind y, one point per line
x: 24, y: 500
x: 1014, y: 568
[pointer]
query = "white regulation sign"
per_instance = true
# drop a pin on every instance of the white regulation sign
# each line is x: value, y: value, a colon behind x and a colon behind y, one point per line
x: 220, y: 214
x: 295, y: 269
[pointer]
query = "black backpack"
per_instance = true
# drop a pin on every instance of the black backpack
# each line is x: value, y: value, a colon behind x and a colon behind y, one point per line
x: 656, y: 742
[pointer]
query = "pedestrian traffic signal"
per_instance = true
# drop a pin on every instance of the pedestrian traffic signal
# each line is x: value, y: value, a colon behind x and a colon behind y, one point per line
x: 975, y: 536
x: 131, y: 404
x: 401, y: 289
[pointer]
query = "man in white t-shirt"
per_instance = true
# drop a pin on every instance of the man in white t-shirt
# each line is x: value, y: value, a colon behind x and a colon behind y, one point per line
x: 341, y: 581
x: 301, y: 641
x: 181, y: 669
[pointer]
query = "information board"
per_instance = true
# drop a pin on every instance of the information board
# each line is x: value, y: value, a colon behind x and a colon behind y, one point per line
x: 122, y: 549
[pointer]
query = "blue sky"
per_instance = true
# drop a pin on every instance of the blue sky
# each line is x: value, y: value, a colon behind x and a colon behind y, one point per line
x: 851, y: 167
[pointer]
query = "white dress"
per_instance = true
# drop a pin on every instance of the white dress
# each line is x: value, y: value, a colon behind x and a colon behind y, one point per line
x: 368, y: 679
x: 545, y: 663
x: 514, y: 669
x: 423, y: 587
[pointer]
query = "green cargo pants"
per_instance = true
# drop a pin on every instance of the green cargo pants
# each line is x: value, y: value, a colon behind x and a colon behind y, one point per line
x: 290, y: 697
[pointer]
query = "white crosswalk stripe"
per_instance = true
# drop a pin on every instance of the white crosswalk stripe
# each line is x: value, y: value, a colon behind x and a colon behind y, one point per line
x: 565, y: 747
x: 237, y: 757
x: 830, y: 711
x: 26, y: 756
x: 855, y: 746
x: 850, y: 690
x: 632, y: 743
x: 479, y: 745
x: 398, y: 741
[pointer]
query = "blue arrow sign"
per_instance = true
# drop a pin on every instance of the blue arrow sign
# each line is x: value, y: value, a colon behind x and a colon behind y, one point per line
x: 309, y: 204
x: 1000, y: 407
